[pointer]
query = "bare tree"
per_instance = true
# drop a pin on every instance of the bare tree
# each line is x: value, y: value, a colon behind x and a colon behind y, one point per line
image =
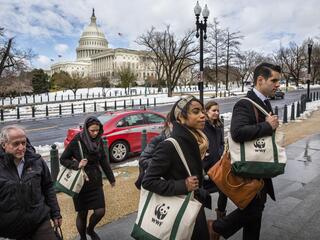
x: 11, y: 58
x: 16, y: 85
x: 73, y: 82
x: 293, y: 60
x: 245, y: 63
x: 315, y: 63
x: 158, y: 67
x: 127, y: 77
x: 216, y: 44
x: 174, y: 55
x: 232, y: 43
x: 104, y: 83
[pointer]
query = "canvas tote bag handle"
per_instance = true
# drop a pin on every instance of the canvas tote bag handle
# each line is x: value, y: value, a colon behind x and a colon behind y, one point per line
x: 181, y: 155
x: 183, y: 159
x: 257, y: 106
x: 80, y: 150
x: 82, y: 157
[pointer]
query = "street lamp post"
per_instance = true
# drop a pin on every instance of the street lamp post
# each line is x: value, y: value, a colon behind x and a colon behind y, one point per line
x: 310, y: 43
x: 202, y: 27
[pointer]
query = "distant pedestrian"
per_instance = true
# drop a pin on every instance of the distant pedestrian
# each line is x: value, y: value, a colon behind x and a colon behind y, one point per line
x: 166, y: 174
x: 91, y: 196
x: 214, y: 132
x: 27, y: 197
x: 244, y: 127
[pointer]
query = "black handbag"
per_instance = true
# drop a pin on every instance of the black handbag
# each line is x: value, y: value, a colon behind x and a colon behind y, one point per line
x: 58, y: 232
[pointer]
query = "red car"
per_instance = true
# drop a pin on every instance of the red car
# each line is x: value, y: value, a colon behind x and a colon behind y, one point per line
x: 123, y: 131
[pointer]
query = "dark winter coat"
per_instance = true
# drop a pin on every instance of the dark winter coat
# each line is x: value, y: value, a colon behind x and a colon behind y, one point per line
x: 27, y: 201
x: 244, y: 126
x: 215, y: 136
x: 166, y: 173
x: 71, y: 157
x: 146, y: 156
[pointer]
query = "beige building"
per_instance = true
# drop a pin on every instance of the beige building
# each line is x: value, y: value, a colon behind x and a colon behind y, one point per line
x: 95, y: 59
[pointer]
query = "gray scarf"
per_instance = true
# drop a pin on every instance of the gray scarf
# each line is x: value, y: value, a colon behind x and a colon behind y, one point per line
x: 92, y: 144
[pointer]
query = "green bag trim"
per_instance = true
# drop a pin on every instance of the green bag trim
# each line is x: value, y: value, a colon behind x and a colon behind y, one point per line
x: 65, y: 169
x: 258, y: 169
x: 178, y: 219
x: 139, y: 233
x: 242, y: 152
x: 75, y: 179
x: 63, y: 189
x: 145, y: 208
x: 275, y: 149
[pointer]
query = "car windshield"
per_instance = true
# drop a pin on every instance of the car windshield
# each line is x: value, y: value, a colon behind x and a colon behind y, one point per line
x: 104, y: 118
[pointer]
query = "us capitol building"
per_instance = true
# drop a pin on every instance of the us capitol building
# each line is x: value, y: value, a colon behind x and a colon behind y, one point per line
x: 95, y: 59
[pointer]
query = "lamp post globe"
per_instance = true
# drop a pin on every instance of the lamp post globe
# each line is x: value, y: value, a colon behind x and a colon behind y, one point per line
x: 202, y: 35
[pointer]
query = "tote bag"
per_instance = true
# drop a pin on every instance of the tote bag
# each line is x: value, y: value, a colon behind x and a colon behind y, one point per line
x: 71, y: 181
x: 239, y: 190
x: 263, y: 157
x: 163, y: 217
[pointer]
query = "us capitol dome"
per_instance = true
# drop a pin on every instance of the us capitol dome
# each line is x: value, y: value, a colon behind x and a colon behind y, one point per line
x: 92, y: 41
x: 95, y: 59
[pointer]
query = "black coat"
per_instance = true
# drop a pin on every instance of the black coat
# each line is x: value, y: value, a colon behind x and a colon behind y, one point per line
x: 215, y: 136
x: 166, y: 173
x: 27, y: 201
x: 146, y: 156
x: 70, y: 158
x: 244, y: 126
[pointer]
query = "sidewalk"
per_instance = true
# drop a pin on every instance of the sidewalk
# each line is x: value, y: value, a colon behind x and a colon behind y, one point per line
x: 296, y: 213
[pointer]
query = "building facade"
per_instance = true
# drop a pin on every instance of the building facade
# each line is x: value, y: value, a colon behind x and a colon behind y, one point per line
x: 96, y: 60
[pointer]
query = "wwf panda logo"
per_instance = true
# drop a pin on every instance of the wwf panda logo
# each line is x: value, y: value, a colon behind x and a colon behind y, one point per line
x: 69, y: 174
x: 161, y: 211
x: 260, y: 143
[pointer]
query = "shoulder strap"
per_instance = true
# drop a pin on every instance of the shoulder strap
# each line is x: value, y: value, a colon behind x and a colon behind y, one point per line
x: 257, y: 106
x: 256, y: 113
x: 80, y: 150
x: 181, y: 155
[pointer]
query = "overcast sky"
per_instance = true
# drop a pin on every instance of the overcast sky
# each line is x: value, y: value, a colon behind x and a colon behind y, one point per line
x: 53, y: 27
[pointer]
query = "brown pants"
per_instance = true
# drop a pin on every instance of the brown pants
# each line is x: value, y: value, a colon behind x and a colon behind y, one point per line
x: 44, y: 231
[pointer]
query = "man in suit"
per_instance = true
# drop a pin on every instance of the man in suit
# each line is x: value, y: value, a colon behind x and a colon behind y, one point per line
x: 244, y: 127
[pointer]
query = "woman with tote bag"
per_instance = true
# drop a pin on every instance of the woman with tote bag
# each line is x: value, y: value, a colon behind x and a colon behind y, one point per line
x: 166, y: 174
x: 91, y: 196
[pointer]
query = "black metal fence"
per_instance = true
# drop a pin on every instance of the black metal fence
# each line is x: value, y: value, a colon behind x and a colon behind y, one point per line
x: 101, y: 106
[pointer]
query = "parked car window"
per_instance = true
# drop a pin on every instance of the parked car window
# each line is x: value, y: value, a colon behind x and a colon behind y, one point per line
x: 153, y: 118
x: 131, y: 120
x: 104, y: 118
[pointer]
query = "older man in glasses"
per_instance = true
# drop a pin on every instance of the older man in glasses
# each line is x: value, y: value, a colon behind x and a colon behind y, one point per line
x: 27, y: 197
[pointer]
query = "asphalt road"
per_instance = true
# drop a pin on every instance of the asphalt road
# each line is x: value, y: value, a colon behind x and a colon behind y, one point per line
x: 49, y: 131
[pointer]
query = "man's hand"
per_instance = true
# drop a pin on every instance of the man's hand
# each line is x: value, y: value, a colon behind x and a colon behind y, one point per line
x: 192, y: 183
x: 273, y: 121
x: 113, y: 184
x: 57, y: 222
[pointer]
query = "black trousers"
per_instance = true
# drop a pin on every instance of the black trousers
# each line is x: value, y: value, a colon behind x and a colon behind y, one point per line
x: 44, y: 232
x: 200, y: 231
x: 249, y: 219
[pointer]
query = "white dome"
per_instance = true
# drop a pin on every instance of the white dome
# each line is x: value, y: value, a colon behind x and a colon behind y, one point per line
x: 92, y: 41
